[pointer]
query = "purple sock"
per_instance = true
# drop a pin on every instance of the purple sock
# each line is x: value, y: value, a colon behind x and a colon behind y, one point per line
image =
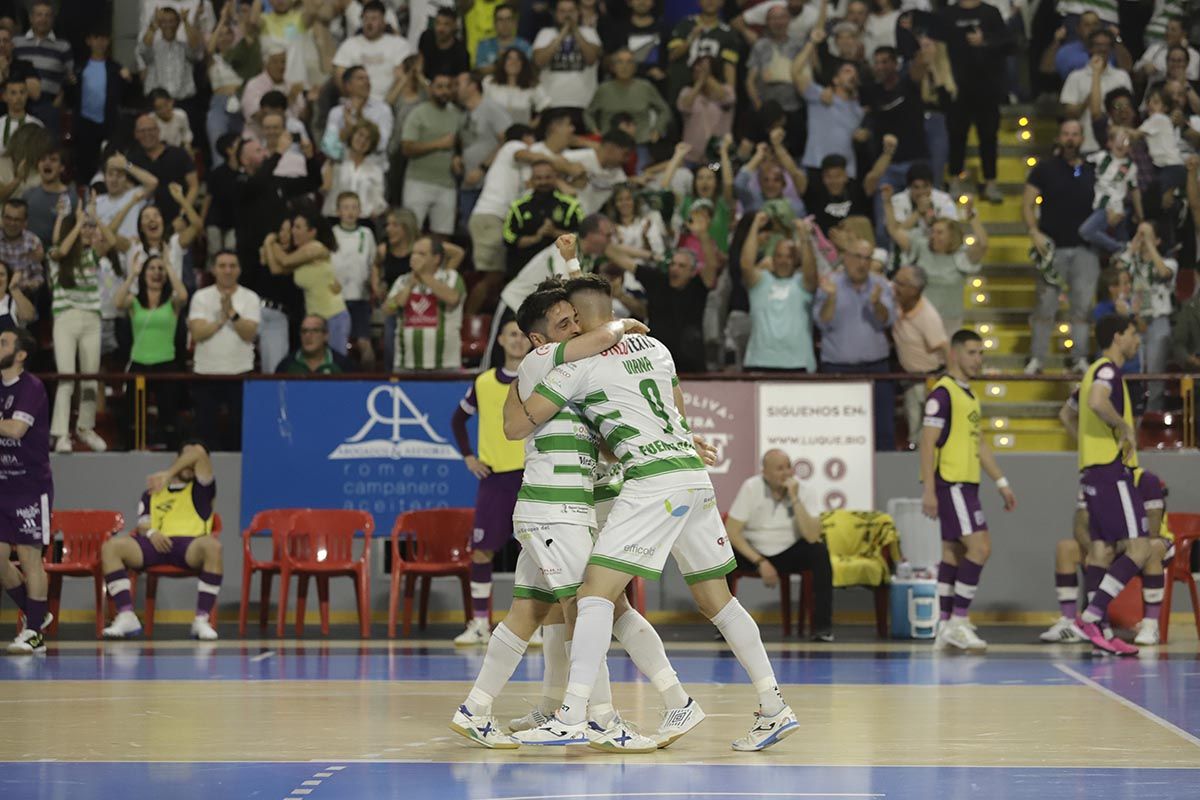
x: 1091, y: 580
x: 206, y: 596
x: 118, y: 590
x: 35, y: 613
x: 17, y: 593
x: 1067, y: 587
x: 965, y: 584
x: 945, y: 588
x: 1120, y: 573
x: 1152, y: 595
x: 481, y: 589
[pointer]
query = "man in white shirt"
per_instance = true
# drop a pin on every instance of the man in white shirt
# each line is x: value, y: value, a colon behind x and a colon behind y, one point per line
x: 223, y: 322
x: 358, y: 102
x: 773, y: 534
x: 1153, y: 62
x: 605, y: 167
x: 804, y: 13
x: 1077, y: 89
x: 567, y: 56
x: 920, y: 196
x: 375, y: 50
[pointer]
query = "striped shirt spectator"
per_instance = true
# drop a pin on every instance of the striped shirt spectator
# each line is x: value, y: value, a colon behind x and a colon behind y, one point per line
x: 50, y: 56
x: 20, y: 248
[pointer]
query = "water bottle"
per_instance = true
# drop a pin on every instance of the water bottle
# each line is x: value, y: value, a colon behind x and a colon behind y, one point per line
x: 904, y: 571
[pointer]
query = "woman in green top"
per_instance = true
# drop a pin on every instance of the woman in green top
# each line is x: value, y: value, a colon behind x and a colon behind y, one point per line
x: 715, y: 186
x: 154, y: 315
x: 80, y: 242
x: 302, y: 248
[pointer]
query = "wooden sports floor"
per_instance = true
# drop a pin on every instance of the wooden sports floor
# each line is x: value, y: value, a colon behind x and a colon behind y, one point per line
x: 350, y: 721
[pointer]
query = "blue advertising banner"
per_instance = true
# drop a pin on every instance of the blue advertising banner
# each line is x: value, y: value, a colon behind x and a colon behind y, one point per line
x: 378, y: 447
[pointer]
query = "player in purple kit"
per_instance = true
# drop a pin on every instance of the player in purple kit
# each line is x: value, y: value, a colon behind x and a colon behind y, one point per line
x: 1101, y: 417
x: 952, y: 455
x: 26, y: 487
x: 499, y: 467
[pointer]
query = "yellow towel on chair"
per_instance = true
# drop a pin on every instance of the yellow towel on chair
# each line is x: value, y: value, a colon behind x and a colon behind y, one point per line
x: 856, y: 542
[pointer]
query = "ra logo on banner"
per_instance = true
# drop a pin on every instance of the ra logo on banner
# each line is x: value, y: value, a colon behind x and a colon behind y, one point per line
x: 390, y: 408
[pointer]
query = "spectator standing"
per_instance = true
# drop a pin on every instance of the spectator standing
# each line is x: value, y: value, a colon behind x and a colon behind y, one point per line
x: 920, y: 204
x: 501, y: 188
x: 1185, y: 335
x: 676, y: 300
x: 409, y: 91
x: 20, y: 249
x: 1153, y: 63
x: 703, y: 34
x: 79, y: 244
x: 352, y: 261
x: 15, y: 309
x: 922, y: 346
x: 978, y: 41
x: 604, y: 168
x: 762, y: 179
x: 273, y: 78
x: 16, y: 98
x: 1077, y: 91
x: 51, y: 59
x: 769, y: 75
x: 1116, y: 181
x: 482, y: 135
x: 153, y: 295
x: 165, y: 162
x: 837, y: 196
x: 428, y: 140
x: 224, y: 108
x: 854, y: 310
x: 834, y: 113
x: 567, y: 56
x: 442, y: 52
x: 645, y: 34
x: 513, y: 85
x: 42, y: 200
x: 121, y: 193
x: 637, y: 226
x: 304, y: 247
x: 707, y: 106
x: 428, y: 303
x: 103, y: 87
x: 938, y: 92
x: 375, y: 50
x: 166, y: 59
x: 895, y: 109
x: 1069, y: 52
x: 1153, y: 283
x: 781, y: 288
x: 943, y: 256
x: 773, y: 534
x: 634, y: 96
x: 314, y: 356
x: 357, y: 104
x: 360, y: 171
x: 1065, y: 184
x: 538, y: 217
x: 504, y: 19
x: 173, y: 126
x: 708, y: 185
x: 392, y: 259
x: 223, y: 321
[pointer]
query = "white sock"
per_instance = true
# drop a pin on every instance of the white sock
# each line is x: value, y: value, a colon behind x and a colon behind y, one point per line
x: 593, y: 633
x: 504, y: 652
x: 600, y: 704
x: 645, y: 648
x: 558, y: 664
x: 742, y: 635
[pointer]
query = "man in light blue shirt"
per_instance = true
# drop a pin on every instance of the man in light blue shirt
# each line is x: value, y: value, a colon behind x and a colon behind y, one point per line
x: 854, y: 310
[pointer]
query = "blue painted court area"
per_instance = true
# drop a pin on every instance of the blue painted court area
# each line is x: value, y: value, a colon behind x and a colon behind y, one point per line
x: 566, y: 781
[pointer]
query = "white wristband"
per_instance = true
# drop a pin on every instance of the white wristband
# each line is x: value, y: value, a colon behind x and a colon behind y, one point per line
x: 573, y: 266
x: 1002, y: 483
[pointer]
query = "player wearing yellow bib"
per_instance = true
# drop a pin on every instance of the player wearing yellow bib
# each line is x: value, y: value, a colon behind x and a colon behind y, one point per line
x: 952, y: 453
x: 1100, y: 416
x: 498, y: 467
x: 175, y: 520
x: 666, y: 506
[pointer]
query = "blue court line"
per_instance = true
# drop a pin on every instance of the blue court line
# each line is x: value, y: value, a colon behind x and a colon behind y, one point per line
x: 756, y: 777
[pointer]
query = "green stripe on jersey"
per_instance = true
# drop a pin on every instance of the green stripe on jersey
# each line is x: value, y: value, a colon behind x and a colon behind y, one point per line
x: 560, y: 354
x: 593, y: 399
x: 708, y: 574
x: 626, y: 567
x: 664, y: 466
x: 555, y: 494
x: 563, y: 443
x: 606, y: 491
x: 572, y: 469
x: 551, y: 395
x: 531, y: 593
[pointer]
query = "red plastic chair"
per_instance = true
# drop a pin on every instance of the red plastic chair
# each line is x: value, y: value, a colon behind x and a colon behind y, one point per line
x: 438, y: 544
x: 168, y: 571
x: 83, y: 533
x: 1186, y: 528
x: 635, y: 593
x: 320, y: 544
x: 275, y: 523
x: 475, y: 330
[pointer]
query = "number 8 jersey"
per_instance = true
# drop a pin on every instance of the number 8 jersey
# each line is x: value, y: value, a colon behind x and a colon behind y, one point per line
x: 627, y: 393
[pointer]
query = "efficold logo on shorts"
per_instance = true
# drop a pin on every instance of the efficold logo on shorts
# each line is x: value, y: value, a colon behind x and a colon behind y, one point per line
x: 675, y: 511
x: 638, y: 550
x: 390, y: 407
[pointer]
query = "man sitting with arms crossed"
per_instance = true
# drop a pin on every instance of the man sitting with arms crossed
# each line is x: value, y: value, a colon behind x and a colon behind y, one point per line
x: 772, y: 532
x: 175, y: 522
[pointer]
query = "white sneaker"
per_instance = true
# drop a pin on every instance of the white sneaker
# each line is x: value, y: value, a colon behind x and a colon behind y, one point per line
x: 678, y: 721
x: 478, y: 632
x: 768, y: 730
x: 957, y: 633
x: 28, y: 642
x: 64, y: 445
x: 533, y: 719
x: 1147, y: 633
x: 618, y: 737
x: 1033, y: 366
x: 202, y: 630
x: 536, y: 639
x: 481, y: 730
x: 123, y: 625
x: 554, y: 732
x: 93, y: 440
x: 1063, y: 631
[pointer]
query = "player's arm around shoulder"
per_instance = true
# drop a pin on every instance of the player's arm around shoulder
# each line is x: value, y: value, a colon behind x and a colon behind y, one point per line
x: 596, y: 341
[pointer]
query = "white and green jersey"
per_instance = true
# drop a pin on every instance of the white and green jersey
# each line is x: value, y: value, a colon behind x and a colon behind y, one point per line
x: 627, y: 394
x: 559, y: 456
x: 428, y: 332
x: 1106, y: 10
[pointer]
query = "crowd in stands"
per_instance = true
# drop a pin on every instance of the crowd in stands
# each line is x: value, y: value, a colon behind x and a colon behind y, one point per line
x: 319, y: 186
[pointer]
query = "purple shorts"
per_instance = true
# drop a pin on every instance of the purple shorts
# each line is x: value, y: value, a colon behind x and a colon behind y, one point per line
x: 494, y: 503
x: 26, y: 521
x: 175, y: 557
x: 959, y: 510
x: 1114, y: 506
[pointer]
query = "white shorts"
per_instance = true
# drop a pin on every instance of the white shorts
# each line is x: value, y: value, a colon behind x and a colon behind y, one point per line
x: 652, y: 518
x: 552, y: 561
